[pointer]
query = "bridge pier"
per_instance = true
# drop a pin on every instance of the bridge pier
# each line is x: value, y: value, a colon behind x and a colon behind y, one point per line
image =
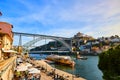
x: 20, y: 40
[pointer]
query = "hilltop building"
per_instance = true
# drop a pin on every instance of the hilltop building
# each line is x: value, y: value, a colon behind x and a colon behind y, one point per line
x: 80, y: 39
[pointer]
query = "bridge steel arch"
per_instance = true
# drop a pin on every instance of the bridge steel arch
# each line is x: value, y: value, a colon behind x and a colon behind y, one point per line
x: 32, y: 42
x: 41, y: 37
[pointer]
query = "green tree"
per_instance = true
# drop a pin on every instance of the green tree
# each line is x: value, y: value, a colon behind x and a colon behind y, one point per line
x: 109, y: 63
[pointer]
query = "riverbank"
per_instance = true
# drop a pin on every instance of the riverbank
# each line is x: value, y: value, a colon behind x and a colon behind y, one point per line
x: 87, y: 69
x: 47, y: 72
x: 49, y: 69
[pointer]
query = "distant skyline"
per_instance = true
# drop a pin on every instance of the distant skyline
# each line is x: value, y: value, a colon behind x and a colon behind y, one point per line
x: 64, y: 18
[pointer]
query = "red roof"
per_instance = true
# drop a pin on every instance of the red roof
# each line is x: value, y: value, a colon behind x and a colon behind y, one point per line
x: 6, y: 28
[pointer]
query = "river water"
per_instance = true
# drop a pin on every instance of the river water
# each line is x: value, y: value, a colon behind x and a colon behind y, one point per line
x: 84, y: 68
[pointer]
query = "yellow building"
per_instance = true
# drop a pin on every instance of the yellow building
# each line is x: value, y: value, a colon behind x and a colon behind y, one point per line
x: 6, y: 38
x: 7, y: 60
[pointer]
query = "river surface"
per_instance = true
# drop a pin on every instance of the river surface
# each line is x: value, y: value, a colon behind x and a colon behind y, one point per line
x: 84, y: 68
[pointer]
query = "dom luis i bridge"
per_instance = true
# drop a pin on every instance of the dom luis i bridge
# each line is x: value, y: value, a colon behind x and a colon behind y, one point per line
x: 37, y: 38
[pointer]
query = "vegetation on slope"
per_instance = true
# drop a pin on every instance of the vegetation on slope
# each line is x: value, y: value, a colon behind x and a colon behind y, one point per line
x: 109, y: 63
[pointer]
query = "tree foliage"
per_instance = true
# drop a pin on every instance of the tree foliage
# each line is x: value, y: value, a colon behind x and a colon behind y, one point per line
x: 109, y: 63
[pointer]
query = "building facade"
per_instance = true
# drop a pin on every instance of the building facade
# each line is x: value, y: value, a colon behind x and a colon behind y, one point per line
x: 6, y: 37
x: 7, y: 60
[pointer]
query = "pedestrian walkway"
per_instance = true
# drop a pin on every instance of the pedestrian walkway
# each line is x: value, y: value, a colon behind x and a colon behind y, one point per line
x: 48, y: 69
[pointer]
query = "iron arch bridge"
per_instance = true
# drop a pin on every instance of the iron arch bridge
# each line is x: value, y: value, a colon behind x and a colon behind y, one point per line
x: 38, y: 37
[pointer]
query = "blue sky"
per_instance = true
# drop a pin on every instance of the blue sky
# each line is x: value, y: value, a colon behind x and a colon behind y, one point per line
x: 63, y: 17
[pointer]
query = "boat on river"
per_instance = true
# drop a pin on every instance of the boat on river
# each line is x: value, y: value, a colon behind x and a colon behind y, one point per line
x: 65, y: 60
x: 81, y: 57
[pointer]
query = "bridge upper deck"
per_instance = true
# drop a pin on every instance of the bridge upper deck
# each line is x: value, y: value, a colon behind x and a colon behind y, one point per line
x: 38, y: 35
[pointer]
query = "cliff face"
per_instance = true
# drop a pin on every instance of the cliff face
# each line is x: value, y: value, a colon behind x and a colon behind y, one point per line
x: 109, y: 63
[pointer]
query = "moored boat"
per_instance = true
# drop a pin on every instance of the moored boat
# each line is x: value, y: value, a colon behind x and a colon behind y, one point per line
x: 66, y: 60
x: 81, y: 57
x: 49, y: 61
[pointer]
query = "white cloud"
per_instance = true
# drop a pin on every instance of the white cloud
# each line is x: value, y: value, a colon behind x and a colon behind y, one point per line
x: 112, y: 29
x: 100, y: 18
